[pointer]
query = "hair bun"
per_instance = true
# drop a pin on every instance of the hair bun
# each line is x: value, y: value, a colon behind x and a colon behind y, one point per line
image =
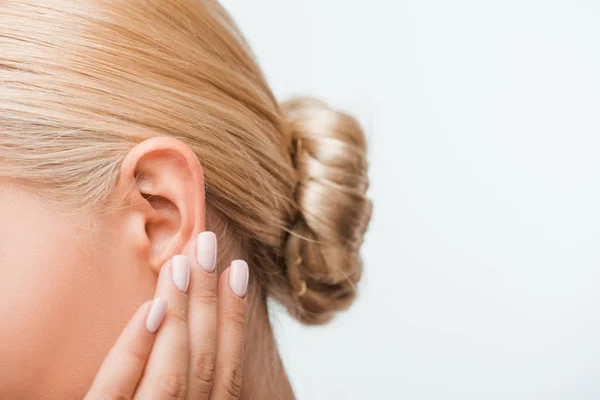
x: 321, y: 255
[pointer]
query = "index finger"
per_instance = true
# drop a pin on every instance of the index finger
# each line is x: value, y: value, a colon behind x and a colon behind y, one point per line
x: 166, y: 373
x: 122, y: 369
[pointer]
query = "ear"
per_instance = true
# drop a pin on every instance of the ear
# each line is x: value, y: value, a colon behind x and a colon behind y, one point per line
x: 163, y: 182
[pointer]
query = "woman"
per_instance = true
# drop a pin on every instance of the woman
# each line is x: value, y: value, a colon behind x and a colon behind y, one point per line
x: 127, y: 128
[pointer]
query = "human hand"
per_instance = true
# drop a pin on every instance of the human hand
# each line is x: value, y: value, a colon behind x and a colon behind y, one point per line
x: 198, y: 351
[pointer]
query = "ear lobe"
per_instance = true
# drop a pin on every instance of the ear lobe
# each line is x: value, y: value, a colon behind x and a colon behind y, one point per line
x: 166, y: 185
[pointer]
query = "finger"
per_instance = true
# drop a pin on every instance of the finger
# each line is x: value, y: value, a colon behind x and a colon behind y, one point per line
x: 121, y: 371
x: 166, y: 373
x: 233, y: 285
x: 203, y: 316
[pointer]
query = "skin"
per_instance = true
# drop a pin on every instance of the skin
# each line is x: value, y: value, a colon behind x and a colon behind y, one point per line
x: 72, y: 279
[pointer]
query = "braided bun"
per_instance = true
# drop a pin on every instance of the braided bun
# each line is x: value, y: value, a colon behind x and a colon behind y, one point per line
x: 321, y: 255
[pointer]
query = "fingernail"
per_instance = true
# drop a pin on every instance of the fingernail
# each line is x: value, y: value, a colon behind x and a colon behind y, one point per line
x: 238, y: 277
x: 180, y: 270
x: 156, y: 314
x: 206, y: 251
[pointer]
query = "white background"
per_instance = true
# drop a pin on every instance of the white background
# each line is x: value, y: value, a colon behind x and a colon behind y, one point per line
x: 483, y: 257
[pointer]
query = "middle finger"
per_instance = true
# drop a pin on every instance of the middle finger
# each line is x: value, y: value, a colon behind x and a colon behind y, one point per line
x: 203, y: 316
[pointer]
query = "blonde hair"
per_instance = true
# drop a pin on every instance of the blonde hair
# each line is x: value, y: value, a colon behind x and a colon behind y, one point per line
x: 84, y: 81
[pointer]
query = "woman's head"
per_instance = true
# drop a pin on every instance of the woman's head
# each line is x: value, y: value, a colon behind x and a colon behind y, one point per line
x: 128, y: 126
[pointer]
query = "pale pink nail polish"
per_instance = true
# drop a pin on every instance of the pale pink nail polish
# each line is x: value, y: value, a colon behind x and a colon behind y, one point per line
x: 206, y: 251
x: 180, y: 269
x: 238, y: 277
x: 156, y: 314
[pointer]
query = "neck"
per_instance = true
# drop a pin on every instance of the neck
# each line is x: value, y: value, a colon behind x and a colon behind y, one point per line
x: 264, y: 375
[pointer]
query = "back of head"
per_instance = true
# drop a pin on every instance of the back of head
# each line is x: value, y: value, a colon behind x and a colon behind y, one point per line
x: 82, y: 82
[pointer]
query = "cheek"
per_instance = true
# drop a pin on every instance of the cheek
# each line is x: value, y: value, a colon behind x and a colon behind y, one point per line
x: 63, y: 302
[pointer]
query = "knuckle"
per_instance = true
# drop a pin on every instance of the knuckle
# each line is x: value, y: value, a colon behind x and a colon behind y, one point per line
x: 177, y: 314
x: 172, y: 386
x: 204, y: 368
x: 206, y: 294
x: 231, y: 379
x: 208, y: 297
x: 137, y: 354
x: 235, y: 316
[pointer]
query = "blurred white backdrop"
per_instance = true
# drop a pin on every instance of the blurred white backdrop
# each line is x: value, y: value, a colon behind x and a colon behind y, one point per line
x: 483, y: 256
